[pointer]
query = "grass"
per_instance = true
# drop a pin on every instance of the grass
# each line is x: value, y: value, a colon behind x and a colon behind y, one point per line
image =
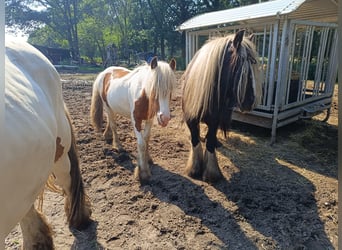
x: 319, y: 138
x: 79, y: 76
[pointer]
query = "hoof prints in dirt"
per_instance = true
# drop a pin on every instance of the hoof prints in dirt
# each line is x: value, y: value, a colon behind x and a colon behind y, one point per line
x: 119, y: 156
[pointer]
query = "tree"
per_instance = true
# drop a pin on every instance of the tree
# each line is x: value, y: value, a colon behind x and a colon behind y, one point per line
x: 61, y: 16
x: 90, y: 27
x: 94, y: 30
x: 248, y: 2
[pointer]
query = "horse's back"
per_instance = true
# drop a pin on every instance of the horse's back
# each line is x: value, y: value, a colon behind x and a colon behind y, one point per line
x: 115, y: 86
x: 34, y: 115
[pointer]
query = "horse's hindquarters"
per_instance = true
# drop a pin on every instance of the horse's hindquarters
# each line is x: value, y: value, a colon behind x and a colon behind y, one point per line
x: 36, y: 132
x: 25, y: 166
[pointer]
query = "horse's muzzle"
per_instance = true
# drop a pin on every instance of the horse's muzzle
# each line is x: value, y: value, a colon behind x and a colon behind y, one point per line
x: 163, y: 120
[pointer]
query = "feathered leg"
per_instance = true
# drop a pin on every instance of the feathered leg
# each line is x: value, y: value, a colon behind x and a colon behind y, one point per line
x: 212, y: 172
x: 142, y: 172
x: 36, y: 232
x: 110, y: 131
x: 194, y: 166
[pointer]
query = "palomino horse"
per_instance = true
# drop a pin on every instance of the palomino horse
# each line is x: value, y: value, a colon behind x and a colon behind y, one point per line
x: 221, y: 76
x: 140, y: 95
x: 37, y: 142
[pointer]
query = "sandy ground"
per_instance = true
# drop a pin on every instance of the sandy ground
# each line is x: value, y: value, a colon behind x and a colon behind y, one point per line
x: 273, y: 197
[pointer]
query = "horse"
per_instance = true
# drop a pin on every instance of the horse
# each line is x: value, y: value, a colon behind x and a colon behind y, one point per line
x: 38, y: 144
x: 140, y: 95
x: 222, y: 76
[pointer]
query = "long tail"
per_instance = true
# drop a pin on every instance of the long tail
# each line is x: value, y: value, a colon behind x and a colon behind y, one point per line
x: 96, y: 108
x: 78, y: 210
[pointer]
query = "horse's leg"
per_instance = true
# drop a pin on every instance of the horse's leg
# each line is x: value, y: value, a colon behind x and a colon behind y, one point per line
x: 194, y: 166
x: 111, y: 133
x: 146, y: 135
x: 36, y: 232
x: 107, y: 134
x: 212, y: 172
x: 142, y: 172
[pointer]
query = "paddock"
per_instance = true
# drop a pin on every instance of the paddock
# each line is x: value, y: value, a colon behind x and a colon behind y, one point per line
x: 297, y: 44
x: 273, y: 197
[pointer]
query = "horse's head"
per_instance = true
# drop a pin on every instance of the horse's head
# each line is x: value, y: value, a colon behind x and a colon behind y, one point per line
x: 244, y: 72
x: 163, y: 82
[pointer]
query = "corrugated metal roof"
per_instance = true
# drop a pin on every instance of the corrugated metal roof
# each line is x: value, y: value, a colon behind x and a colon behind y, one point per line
x: 261, y: 10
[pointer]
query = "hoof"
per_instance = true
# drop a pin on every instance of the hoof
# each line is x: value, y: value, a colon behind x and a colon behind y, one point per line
x: 212, y: 172
x: 150, y: 161
x: 212, y: 177
x: 142, y: 176
x: 117, y: 146
x: 194, y: 166
x: 194, y: 170
x: 118, y: 149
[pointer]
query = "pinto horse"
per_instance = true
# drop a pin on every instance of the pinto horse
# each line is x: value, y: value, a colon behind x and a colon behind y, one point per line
x: 139, y: 95
x: 222, y: 76
x: 37, y: 142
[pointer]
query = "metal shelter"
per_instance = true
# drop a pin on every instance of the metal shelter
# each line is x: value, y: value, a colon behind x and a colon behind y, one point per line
x: 297, y: 44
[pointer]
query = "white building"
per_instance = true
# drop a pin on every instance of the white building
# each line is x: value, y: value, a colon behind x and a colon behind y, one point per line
x: 297, y: 43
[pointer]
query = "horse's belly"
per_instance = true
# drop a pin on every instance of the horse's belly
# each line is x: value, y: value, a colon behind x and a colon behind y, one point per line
x: 119, y: 102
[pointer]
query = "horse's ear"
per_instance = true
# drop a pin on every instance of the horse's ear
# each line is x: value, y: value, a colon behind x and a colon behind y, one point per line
x: 238, y: 38
x: 251, y: 37
x: 154, y: 62
x: 173, y: 64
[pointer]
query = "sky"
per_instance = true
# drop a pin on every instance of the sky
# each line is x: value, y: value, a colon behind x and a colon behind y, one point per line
x: 15, y: 33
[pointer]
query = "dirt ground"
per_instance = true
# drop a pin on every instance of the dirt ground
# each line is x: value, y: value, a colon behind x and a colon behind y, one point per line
x: 282, y: 196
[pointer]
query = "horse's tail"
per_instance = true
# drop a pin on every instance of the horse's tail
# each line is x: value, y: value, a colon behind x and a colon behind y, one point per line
x: 96, y: 108
x: 77, y: 205
x: 78, y: 208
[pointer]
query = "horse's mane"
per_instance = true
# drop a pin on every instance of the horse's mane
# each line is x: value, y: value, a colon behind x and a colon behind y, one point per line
x: 162, y: 80
x: 158, y: 82
x: 205, y: 70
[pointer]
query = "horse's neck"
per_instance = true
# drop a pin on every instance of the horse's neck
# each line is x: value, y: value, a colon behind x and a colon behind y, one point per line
x: 141, y: 82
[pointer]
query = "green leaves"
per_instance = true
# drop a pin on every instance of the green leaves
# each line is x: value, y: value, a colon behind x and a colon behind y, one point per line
x: 88, y: 27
